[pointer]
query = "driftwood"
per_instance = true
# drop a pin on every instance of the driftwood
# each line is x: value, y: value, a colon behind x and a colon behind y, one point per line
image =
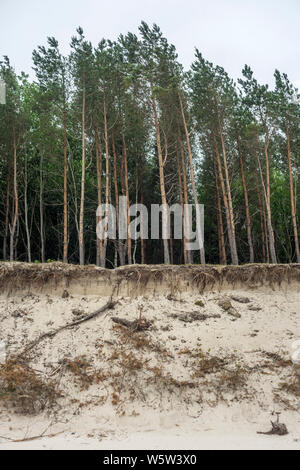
x: 135, y: 325
x: 50, y: 334
x: 7, y: 438
x: 33, y: 438
x: 277, y: 428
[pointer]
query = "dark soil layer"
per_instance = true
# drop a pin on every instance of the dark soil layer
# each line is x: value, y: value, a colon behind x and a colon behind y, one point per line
x: 139, y: 279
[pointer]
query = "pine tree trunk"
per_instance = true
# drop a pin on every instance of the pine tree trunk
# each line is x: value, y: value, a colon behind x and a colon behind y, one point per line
x: 248, y: 219
x: 123, y: 244
x: 143, y: 241
x: 266, y: 234
x: 262, y: 226
x: 6, y: 215
x: 267, y: 194
x: 103, y: 255
x: 127, y: 196
x: 162, y: 184
x: 293, y: 210
x: 26, y: 211
x: 82, y: 197
x: 231, y: 237
x: 221, y: 239
x: 16, y: 199
x: 118, y: 243
x: 42, y: 227
x: 179, y: 169
x: 99, y: 192
x: 189, y: 253
x: 65, y: 248
x: 194, y: 189
x: 171, y: 243
x: 235, y: 259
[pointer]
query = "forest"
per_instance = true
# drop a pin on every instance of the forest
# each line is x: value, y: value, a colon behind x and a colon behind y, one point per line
x: 125, y: 118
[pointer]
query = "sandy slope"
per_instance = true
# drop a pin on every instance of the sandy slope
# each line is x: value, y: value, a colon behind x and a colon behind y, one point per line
x: 166, y: 401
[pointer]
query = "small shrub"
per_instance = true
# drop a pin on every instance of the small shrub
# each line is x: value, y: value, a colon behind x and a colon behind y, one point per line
x: 277, y: 360
x: 291, y: 385
x: 85, y: 375
x: 233, y: 379
x: 23, y: 389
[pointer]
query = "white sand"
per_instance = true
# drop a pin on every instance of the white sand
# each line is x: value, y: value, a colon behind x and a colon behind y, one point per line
x: 156, y: 414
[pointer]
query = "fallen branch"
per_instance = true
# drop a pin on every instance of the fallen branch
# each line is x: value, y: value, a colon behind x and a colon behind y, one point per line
x: 38, y: 437
x: 136, y: 325
x: 277, y: 428
x: 7, y: 438
x: 50, y: 334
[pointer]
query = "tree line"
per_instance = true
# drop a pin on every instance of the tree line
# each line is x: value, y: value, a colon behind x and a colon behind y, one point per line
x: 125, y: 118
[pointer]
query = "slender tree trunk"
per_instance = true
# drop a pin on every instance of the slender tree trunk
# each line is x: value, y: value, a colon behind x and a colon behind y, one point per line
x: 66, y: 236
x: 221, y: 239
x: 189, y: 253
x: 231, y: 237
x: 235, y: 259
x: 42, y: 227
x: 190, y: 155
x: 107, y: 182
x: 123, y: 244
x: 248, y: 219
x: 143, y: 241
x: 267, y: 194
x: 6, y: 215
x: 127, y: 196
x: 118, y: 243
x: 136, y: 225
x: 16, y: 199
x: 99, y: 192
x: 293, y: 210
x: 171, y: 242
x: 82, y: 197
x: 266, y: 234
x: 262, y: 226
x: 17, y: 238
x: 115, y: 179
x: 162, y: 184
x: 181, y: 204
x: 26, y: 211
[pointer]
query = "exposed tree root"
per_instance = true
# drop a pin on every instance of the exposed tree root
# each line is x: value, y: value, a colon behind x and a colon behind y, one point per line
x: 50, y: 334
x: 134, y: 279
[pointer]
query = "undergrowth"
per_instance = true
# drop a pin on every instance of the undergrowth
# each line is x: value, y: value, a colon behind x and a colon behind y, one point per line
x: 85, y: 375
x: 24, y: 390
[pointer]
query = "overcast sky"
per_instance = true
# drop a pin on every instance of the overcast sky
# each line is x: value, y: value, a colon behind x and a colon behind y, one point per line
x: 261, y: 33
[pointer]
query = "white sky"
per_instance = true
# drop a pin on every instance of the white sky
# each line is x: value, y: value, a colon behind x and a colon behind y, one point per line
x: 262, y: 33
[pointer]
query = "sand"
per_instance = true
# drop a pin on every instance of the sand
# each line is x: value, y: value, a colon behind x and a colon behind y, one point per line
x: 167, y: 393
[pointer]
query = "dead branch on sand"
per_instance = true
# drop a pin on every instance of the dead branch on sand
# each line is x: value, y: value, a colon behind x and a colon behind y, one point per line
x: 277, y: 428
x: 135, y: 325
x: 33, y: 438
